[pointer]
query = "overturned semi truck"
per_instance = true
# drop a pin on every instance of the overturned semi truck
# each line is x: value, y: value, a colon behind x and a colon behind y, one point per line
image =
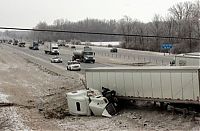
x: 166, y: 84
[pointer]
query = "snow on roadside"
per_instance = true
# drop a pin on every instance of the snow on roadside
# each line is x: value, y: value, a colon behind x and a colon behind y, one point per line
x: 75, y: 123
x: 4, y: 67
x: 10, y: 113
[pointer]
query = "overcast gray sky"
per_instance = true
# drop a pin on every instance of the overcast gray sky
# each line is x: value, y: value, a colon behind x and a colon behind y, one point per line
x: 27, y: 13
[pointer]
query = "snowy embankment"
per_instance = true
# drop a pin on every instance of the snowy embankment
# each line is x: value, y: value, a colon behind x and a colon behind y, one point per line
x: 8, y: 115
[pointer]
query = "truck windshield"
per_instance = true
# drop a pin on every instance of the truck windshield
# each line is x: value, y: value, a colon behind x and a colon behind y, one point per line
x: 88, y: 53
x: 54, y: 47
x: 35, y: 44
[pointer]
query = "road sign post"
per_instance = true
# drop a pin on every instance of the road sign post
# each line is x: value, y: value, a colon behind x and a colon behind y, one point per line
x: 166, y: 46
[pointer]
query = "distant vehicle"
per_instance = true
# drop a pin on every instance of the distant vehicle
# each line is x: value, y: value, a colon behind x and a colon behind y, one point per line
x: 114, y: 50
x: 73, y: 47
x: 61, y: 42
x: 34, y: 46
x: 21, y: 44
x: 15, y: 42
x: 86, y: 55
x: 4, y: 41
x: 66, y: 45
x: 73, y: 65
x: 10, y: 42
x: 40, y: 42
x: 51, y: 48
x: 56, y: 60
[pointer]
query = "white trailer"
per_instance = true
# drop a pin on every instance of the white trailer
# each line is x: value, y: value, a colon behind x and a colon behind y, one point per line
x: 189, y: 59
x: 51, y: 48
x: 176, y: 84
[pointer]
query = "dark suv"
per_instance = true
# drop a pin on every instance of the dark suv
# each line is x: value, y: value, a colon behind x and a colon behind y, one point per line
x: 113, y: 50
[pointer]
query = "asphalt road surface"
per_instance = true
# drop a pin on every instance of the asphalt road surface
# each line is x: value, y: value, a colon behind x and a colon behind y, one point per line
x: 103, y: 56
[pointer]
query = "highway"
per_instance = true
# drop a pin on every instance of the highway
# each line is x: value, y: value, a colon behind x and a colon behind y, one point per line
x: 65, y: 54
x: 103, y: 56
x: 133, y: 56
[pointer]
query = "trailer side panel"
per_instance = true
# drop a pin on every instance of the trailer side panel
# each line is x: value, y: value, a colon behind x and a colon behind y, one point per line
x: 171, y: 83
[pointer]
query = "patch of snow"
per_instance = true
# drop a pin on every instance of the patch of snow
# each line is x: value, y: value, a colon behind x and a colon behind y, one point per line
x: 10, y: 113
x: 90, y: 124
x: 3, y: 97
x: 4, y: 67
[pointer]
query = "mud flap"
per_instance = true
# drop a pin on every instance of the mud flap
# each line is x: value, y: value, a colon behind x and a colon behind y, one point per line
x: 109, y: 110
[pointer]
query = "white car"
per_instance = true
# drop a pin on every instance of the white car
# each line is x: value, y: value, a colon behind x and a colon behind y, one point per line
x: 56, y: 60
x: 73, y: 65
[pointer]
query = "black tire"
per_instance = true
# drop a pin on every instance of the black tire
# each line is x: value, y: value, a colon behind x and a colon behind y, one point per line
x: 72, y: 58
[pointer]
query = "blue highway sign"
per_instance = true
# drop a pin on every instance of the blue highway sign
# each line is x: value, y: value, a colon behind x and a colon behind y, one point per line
x: 166, y: 46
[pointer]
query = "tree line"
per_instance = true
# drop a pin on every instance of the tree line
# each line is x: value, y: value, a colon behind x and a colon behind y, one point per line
x: 182, y: 21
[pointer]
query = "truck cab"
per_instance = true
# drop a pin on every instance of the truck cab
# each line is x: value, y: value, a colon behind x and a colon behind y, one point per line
x: 88, y: 56
x: 54, y: 49
x: 34, y: 45
x: 51, y: 48
x: 85, y: 55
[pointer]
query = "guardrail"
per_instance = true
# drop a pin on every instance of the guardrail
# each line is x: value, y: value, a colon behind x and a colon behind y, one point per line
x: 132, y: 58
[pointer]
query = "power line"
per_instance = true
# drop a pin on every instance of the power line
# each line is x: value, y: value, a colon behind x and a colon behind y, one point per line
x: 99, y: 33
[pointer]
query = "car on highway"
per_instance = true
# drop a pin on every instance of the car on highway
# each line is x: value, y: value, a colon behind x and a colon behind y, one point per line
x: 73, y: 47
x: 56, y: 60
x: 113, y: 50
x: 66, y: 45
x: 73, y: 65
x: 15, y: 42
x: 21, y: 44
x: 10, y: 42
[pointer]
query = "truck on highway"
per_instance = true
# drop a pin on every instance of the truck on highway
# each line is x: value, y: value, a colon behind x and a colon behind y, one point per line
x: 21, y: 44
x: 34, y: 45
x: 188, y: 59
x: 85, y: 55
x: 15, y: 42
x: 61, y: 42
x: 51, y: 48
x: 170, y: 84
